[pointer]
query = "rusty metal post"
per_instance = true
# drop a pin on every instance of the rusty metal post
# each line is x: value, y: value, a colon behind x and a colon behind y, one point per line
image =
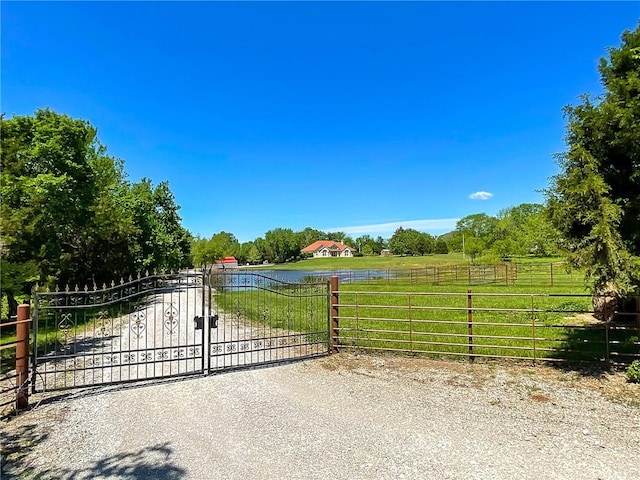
x: 470, y: 323
x: 335, y: 313
x: 22, y: 357
x: 533, y: 327
x: 607, y: 358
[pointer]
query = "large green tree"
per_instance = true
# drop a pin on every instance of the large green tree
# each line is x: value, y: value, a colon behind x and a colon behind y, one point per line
x: 411, y: 242
x: 281, y: 245
x: 67, y: 213
x: 595, y: 200
x: 220, y: 245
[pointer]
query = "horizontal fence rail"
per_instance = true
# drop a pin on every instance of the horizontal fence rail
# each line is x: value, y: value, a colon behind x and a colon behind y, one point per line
x: 508, y: 274
x: 536, y: 327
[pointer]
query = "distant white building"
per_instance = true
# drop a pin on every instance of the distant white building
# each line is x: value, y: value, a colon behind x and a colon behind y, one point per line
x: 328, y: 248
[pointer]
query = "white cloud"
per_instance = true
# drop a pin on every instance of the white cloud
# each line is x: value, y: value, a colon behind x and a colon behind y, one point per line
x: 441, y: 225
x: 481, y: 195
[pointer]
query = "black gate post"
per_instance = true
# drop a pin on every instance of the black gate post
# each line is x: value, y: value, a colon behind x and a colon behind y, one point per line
x: 335, y: 312
x: 34, y: 353
x: 206, y: 326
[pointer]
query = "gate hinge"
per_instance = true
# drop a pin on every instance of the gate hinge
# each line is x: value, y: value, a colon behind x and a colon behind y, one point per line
x: 199, y: 321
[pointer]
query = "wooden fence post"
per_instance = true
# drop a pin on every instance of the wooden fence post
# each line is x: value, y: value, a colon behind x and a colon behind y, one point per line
x: 470, y: 324
x: 335, y: 312
x: 22, y: 357
x: 552, y: 274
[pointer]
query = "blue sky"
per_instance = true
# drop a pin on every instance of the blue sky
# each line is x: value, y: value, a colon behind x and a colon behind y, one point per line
x: 354, y: 116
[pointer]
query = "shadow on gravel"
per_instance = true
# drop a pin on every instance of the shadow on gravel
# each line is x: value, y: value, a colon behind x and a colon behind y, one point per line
x: 149, y: 463
x: 15, y: 445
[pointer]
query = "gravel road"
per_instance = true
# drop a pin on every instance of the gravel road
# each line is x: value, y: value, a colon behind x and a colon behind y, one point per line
x: 342, y: 416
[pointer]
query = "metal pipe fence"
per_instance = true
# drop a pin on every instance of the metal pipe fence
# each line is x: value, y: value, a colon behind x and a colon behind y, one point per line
x: 533, y: 327
x: 508, y: 274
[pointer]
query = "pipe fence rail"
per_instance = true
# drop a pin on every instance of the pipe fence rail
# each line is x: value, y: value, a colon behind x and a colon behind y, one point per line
x: 508, y: 274
x: 535, y: 327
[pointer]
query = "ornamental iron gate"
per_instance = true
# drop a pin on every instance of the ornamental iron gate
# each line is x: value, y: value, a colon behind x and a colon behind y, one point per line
x: 265, y: 320
x: 163, y: 326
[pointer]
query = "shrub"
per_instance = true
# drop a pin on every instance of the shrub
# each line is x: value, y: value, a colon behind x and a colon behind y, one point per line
x: 633, y: 372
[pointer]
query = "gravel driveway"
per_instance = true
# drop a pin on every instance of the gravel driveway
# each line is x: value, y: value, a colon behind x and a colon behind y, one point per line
x: 342, y: 416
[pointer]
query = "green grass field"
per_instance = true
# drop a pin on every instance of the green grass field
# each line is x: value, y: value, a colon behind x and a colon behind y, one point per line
x: 523, y: 322
x: 519, y: 322
x: 377, y: 262
x: 393, y: 262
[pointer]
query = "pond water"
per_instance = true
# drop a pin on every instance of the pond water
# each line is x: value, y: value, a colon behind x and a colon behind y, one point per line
x: 345, y: 276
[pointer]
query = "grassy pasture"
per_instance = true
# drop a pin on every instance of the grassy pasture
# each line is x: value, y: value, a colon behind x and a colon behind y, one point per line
x: 370, y: 262
x: 524, y: 322
x: 394, y: 262
x: 293, y: 308
x: 519, y: 322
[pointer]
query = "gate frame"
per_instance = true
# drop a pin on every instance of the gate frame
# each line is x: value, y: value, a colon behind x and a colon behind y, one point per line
x: 131, y: 283
x: 203, y: 308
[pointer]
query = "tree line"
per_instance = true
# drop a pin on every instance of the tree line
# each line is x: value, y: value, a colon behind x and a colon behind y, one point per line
x: 69, y: 215
x: 278, y: 245
x: 524, y: 230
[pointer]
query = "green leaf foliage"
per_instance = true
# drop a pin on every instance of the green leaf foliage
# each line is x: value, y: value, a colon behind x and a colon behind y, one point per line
x: 595, y: 202
x: 68, y: 214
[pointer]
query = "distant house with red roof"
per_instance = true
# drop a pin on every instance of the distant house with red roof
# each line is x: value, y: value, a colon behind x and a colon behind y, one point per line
x: 328, y: 248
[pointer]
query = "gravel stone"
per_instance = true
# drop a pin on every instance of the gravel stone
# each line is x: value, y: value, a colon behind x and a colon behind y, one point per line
x: 343, y: 417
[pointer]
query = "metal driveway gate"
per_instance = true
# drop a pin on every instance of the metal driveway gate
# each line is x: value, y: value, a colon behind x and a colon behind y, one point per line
x: 265, y: 320
x: 171, y: 325
x: 136, y: 330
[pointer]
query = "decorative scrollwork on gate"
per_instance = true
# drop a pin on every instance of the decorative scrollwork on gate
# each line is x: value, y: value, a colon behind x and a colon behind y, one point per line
x: 66, y: 327
x: 101, y: 326
x: 171, y: 319
x: 137, y: 324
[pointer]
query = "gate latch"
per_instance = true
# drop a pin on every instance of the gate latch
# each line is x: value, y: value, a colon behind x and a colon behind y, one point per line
x: 213, y: 322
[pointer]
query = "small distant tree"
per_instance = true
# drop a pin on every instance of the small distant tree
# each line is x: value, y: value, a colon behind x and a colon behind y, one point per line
x: 441, y: 246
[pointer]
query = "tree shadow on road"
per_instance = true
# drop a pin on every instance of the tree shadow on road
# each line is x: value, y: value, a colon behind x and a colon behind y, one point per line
x: 15, y: 445
x: 148, y: 463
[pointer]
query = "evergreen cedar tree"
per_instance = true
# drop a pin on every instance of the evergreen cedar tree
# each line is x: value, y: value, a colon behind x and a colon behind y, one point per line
x: 595, y: 202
